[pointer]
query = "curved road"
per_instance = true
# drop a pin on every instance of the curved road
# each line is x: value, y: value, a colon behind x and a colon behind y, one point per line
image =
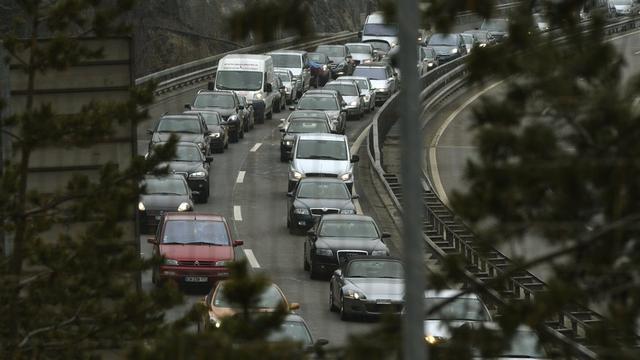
x: 256, y: 209
x: 449, y: 132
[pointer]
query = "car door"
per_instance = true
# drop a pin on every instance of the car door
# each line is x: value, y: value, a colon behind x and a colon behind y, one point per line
x: 392, y: 79
x: 306, y: 73
x: 310, y: 244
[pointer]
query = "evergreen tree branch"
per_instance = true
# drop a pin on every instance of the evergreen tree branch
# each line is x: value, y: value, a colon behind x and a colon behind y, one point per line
x: 58, y: 326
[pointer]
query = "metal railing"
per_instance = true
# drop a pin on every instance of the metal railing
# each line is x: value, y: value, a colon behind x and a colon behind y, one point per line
x: 445, y: 234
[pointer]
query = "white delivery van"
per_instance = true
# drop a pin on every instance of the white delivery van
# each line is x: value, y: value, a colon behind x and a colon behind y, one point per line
x: 251, y: 76
x: 377, y: 29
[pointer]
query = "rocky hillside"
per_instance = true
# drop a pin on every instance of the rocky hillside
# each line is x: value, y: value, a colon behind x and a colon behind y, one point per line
x: 172, y: 32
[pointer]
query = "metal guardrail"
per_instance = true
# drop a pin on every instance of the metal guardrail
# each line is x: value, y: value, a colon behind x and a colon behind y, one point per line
x: 447, y: 235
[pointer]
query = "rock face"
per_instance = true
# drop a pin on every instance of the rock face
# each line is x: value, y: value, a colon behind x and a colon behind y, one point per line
x: 173, y: 32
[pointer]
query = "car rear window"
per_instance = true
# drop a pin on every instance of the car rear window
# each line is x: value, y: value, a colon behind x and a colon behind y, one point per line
x: 375, y: 73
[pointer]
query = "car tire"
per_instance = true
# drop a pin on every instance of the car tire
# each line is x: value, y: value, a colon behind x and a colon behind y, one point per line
x: 344, y: 316
x: 204, y: 198
x: 332, y: 306
x: 276, y: 109
x: 234, y: 137
x: 283, y: 157
x: 313, y: 273
x: 242, y: 133
x: 270, y: 115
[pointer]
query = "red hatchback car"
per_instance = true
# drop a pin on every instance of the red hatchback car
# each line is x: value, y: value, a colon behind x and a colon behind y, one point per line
x: 196, y: 248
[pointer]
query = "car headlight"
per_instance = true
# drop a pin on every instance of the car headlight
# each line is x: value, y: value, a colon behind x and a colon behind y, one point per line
x: 324, y: 252
x: 482, y: 45
x: 301, y: 211
x: 288, y: 142
x: 232, y: 118
x: 454, y: 50
x: 354, y: 294
x: 222, y: 263
x: 185, y: 206
x: 345, y: 176
x: 171, y: 262
x: 198, y: 174
x: 379, y: 253
x: 296, y: 175
x: 347, y: 211
x: 325, y: 68
x: 215, y: 135
x: 258, y: 96
x: 433, y: 340
x: 215, y: 322
x: 141, y: 206
x: 430, y: 64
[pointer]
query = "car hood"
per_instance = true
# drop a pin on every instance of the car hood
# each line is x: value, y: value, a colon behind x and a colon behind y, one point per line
x: 196, y: 252
x: 337, y: 60
x: 215, y: 128
x: 224, y: 112
x: 325, y: 203
x: 295, y: 71
x: 379, y: 84
x: 444, y: 50
x: 350, y: 99
x: 440, y: 328
x: 337, y: 167
x: 360, y: 57
x: 163, y: 202
x: 186, y: 137
x: 182, y: 166
x: 375, y: 288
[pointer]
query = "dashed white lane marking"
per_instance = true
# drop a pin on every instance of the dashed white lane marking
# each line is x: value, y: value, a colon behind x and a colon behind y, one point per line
x: 435, y: 174
x: 256, y: 147
x: 240, y: 178
x: 251, y: 258
x: 237, y: 213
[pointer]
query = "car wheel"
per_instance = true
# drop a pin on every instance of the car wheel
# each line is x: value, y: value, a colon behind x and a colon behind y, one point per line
x: 276, y: 107
x: 344, y: 316
x: 234, y: 137
x: 204, y: 198
x: 242, y: 133
x: 313, y: 273
x: 332, y: 306
x: 288, y: 223
x: 270, y: 114
x: 283, y: 157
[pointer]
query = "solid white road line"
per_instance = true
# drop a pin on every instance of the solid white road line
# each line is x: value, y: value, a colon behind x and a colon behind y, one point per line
x: 433, y: 159
x: 256, y: 147
x: 240, y: 178
x: 623, y: 36
x: 237, y: 213
x: 251, y: 258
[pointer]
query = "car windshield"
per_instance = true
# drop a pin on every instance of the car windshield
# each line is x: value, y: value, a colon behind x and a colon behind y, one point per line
x: 179, y: 125
x: 443, y: 40
x: 380, y: 45
x: 332, y: 51
x: 495, y: 25
x: 239, y: 80
x: 284, y: 77
x: 212, y: 119
x: 349, y: 228
x: 375, y: 269
x: 458, y: 309
x: 325, y: 103
x: 359, y: 49
x: 318, y: 57
x: 429, y: 53
x: 343, y: 89
x: 362, y: 83
x: 270, y: 299
x: 188, y: 153
x: 323, y: 190
x: 308, y: 126
x: 321, y: 149
x: 164, y: 186
x: 291, y: 331
x: 468, y: 38
x: 307, y: 114
x: 287, y: 60
x: 621, y: 2
x: 224, y: 101
x: 205, y: 232
x: 380, y: 30
x: 374, y: 73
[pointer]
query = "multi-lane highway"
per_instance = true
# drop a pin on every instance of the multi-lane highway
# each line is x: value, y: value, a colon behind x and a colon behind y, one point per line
x: 248, y: 187
x: 449, y: 142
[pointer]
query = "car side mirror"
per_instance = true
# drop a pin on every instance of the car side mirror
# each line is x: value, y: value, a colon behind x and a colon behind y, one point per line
x: 268, y: 87
x: 330, y: 61
x: 386, y: 235
x: 292, y: 108
x: 208, y: 159
x: 355, y: 196
x: 152, y: 241
x: 355, y: 158
x: 211, y: 85
x: 360, y: 33
x: 282, y: 130
x: 149, y: 131
x: 238, y: 243
x: 311, y: 232
x: 187, y: 106
x: 321, y: 342
x: 294, y: 306
x: 337, y: 272
x: 290, y: 194
x: 241, y: 107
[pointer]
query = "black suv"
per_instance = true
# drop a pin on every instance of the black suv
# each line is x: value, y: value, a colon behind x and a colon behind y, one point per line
x: 193, y: 165
x: 228, y: 105
x: 189, y: 127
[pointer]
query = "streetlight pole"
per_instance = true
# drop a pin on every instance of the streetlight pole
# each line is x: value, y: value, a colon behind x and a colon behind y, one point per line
x: 413, y: 346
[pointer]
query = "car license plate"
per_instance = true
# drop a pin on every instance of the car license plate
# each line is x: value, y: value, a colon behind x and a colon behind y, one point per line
x: 383, y: 302
x: 196, y: 279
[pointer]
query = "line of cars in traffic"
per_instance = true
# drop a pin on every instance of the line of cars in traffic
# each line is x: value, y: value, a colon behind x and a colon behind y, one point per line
x: 349, y: 247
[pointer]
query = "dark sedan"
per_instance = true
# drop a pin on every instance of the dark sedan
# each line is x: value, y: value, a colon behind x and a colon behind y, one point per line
x: 189, y: 128
x: 159, y: 195
x: 341, y: 59
x: 367, y: 286
x: 193, y: 166
x: 218, y: 130
x: 336, y: 238
x: 447, y: 46
x: 227, y: 104
x: 300, y: 126
x: 498, y: 28
x: 315, y: 197
x: 320, y: 72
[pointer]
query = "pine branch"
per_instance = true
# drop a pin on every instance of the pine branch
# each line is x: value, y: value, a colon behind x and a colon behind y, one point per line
x: 33, y: 333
